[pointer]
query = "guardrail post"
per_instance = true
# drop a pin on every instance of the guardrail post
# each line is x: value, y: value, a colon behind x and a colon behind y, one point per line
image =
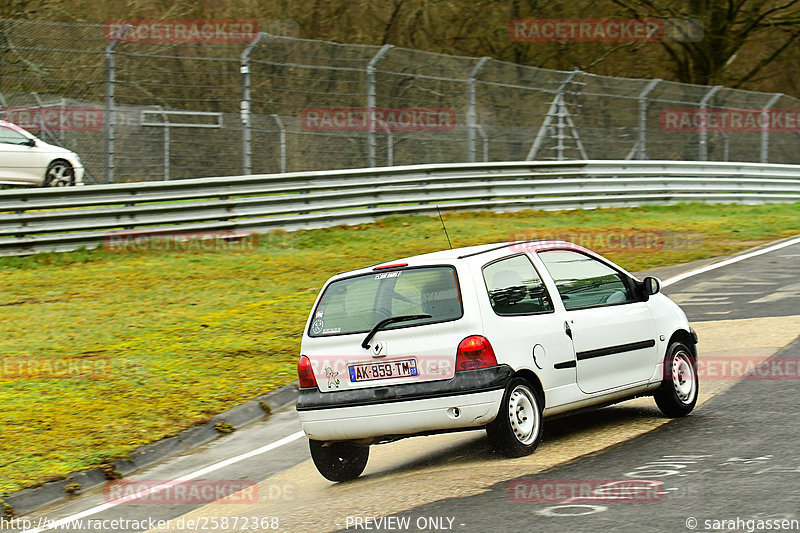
x: 641, y: 148
x: 703, y: 148
x: 282, y: 134
x: 371, y: 102
x: 244, y: 68
x: 471, y: 115
x: 110, y: 111
x: 765, y: 125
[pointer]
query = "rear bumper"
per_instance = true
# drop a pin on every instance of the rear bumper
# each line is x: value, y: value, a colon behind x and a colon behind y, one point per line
x: 398, y: 419
x: 471, y: 399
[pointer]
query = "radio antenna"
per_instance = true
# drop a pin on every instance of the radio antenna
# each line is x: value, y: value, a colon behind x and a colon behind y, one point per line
x: 444, y: 228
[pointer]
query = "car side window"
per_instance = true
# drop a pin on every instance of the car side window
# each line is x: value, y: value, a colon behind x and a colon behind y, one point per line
x: 515, y: 288
x: 583, y: 281
x: 9, y: 136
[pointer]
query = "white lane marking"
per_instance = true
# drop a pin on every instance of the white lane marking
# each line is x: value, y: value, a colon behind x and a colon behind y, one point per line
x: 732, y: 260
x: 788, y: 291
x: 572, y: 509
x: 702, y: 302
x: 197, y: 473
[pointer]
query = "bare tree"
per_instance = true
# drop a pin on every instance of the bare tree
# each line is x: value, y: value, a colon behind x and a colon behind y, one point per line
x: 736, y: 33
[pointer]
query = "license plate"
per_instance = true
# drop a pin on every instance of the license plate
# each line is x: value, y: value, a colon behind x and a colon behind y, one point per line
x: 383, y: 370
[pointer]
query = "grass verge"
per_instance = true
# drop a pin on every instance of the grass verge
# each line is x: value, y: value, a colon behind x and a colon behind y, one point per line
x: 172, y: 338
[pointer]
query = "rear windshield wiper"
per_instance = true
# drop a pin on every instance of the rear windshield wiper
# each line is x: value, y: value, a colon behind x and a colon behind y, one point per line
x: 386, y: 322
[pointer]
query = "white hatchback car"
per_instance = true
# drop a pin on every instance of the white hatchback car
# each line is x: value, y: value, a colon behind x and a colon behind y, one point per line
x: 28, y: 160
x: 497, y: 336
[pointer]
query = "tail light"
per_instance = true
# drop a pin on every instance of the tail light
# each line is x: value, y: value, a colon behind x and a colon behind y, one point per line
x: 305, y: 373
x: 475, y: 352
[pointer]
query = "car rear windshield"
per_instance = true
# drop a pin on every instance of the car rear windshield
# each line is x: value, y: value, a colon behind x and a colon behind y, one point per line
x: 355, y: 305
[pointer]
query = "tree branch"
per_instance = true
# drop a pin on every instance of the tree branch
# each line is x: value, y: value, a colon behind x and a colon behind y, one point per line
x: 765, y: 61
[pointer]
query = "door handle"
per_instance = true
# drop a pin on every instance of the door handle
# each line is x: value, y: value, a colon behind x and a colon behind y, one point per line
x: 567, y: 330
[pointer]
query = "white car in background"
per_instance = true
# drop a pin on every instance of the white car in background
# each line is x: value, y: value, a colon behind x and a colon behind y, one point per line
x: 28, y: 160
x: 495, y: 337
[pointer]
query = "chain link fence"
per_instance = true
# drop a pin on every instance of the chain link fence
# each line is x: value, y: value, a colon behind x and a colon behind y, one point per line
x: 138, y: 111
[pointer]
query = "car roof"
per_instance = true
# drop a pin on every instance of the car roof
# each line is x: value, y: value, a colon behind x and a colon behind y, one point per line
x: 455, y: 255
x: 469, y: 251
x: 14, y: 127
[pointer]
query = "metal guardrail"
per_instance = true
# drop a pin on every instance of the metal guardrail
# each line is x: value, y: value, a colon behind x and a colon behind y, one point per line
x: 37, y: 220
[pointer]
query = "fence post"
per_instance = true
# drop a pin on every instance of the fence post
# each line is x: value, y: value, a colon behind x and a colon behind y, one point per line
x: 485, y: 143
x: 725, y: 146
x: 282, y: 136
x: 389, y: 144
x: 110, y: 111
x: 641, y: 152
x: 703, y: 148
x: 471, y: 116
x: 371, y: 102
x: 62, y: 105
x: 560, y: 127
x: 765, y: 127
x: 245, y: 105
x: 166, y: 142
x: 555, y: 107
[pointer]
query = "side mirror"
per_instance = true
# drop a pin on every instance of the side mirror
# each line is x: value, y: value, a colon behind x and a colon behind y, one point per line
x: 651, y: 285
x: 31, y: 142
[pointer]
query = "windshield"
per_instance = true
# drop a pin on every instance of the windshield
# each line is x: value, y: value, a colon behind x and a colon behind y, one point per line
x: 357, y: 304
x: 10, y: 134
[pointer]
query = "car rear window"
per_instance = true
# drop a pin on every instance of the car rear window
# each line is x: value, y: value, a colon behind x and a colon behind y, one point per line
x: 356, y: 304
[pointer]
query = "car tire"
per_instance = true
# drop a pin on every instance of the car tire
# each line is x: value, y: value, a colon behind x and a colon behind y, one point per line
x: 59, y: 173
x: 517, y: 429
x: 677, y: 394
x: 338, y: 461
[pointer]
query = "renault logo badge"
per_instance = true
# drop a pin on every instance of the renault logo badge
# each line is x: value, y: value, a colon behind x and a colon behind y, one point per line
x: 379, y: 349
